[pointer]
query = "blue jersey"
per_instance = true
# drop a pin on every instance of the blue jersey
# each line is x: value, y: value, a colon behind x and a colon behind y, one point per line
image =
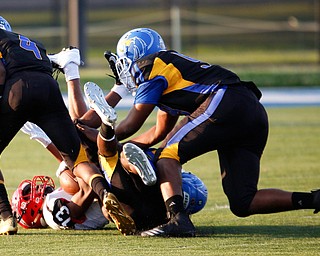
x: 176, y: 83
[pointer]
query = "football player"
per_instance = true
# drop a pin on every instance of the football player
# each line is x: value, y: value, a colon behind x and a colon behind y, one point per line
x: 221, y: 113
x: 29, y: 92
x: 142, y: 201
x: 80, y: 211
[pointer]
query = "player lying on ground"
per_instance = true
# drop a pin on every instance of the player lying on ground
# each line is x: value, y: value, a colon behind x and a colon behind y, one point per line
x: 33, y: 203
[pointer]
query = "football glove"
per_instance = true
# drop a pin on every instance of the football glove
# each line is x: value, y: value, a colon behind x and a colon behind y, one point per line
x: 112, y: 58
x: 36, y: 133
x: 62, y: 167
x: 66, y: 61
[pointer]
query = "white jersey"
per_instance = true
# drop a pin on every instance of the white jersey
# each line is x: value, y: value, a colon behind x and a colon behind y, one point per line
x: 94, y: 219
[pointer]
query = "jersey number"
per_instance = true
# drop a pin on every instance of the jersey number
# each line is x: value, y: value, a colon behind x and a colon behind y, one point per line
x: 28, y: 45
x: 63, y: 216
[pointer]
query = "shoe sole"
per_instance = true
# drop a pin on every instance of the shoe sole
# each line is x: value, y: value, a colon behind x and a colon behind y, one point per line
x: 159, y: 233
x: 138, y: 158
x: 96, y: 100
x: 9, y: 233
x: 124, y: 223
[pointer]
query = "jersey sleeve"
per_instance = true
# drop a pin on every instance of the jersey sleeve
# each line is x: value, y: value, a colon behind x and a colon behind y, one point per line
x: 151, y: 91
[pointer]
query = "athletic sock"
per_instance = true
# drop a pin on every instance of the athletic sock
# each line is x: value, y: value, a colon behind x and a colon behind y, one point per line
x: 99, y: 185
x: 302, y: 200
x: 5, y: 207
x: 174, y: 205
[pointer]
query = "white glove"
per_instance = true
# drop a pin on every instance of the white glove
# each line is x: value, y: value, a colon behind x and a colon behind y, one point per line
x: 69, y: 60
x: 62, y: 167
x: 120, y: 89
x: 36, y: 133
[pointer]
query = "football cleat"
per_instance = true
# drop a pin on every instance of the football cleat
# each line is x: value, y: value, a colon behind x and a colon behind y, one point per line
x: 97, y: 102
x: 8, y: 226
x: 316, y: 200
x: 142, y: 165
x: 179, y: 225
x: 124, y: 223
x: 66, y: 56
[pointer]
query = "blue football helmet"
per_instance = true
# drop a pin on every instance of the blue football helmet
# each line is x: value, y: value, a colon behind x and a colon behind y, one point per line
x: 4, y: 24
x: 132, y: 46
x: 195, y: 193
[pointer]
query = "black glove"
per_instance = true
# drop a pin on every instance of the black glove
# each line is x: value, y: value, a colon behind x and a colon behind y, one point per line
x: 112, y: 58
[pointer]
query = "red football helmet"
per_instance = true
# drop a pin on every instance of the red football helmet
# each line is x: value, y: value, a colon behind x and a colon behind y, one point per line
x: 28, y: 199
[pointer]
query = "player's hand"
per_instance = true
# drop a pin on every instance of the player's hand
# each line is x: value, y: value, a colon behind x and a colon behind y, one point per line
x: 36, y: 133
x: 89, y: 132
x: 112, y: 59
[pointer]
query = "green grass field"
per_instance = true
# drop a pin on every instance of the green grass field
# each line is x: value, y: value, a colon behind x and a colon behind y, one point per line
x: 290, y: 162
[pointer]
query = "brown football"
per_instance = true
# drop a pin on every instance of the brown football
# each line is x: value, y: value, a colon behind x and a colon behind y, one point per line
x: 68, y: 182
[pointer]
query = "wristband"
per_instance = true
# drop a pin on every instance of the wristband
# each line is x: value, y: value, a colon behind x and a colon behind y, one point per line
x: 120, y: 89
x: 71, y: 71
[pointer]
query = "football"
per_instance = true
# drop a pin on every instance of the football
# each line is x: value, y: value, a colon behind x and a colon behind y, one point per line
x: 68, y: 182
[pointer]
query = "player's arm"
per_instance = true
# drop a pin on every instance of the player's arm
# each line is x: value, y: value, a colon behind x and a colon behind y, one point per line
x: 81, y: 201
x: 37, y: 134
x: 77, y: 106
x: 157, y: 133
x: 136, y: 117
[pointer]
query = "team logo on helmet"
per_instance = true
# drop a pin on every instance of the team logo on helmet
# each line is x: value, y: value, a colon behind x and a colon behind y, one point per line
x: 136, y: 47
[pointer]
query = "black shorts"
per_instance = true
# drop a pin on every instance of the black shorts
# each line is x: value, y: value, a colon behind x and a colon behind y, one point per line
x: 36, y: 97
x: 233, y: 122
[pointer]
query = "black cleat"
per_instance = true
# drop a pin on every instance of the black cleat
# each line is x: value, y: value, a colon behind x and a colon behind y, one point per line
x: 316, y: 200
x: 179, y: 225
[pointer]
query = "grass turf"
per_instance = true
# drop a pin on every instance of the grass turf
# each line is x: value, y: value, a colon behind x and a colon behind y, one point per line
x: 290, y: 162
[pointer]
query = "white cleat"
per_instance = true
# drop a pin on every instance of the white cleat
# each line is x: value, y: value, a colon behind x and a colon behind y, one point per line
x: 65, y: 57
x: 9, y: 226
x: 97, y: 102
x: 138, y: 158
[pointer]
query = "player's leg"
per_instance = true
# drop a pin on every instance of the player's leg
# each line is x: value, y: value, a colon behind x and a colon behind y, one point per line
x: 8, y: 222
x: 10, y: 123
x: 108, y: 157
x: 240, y: 167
